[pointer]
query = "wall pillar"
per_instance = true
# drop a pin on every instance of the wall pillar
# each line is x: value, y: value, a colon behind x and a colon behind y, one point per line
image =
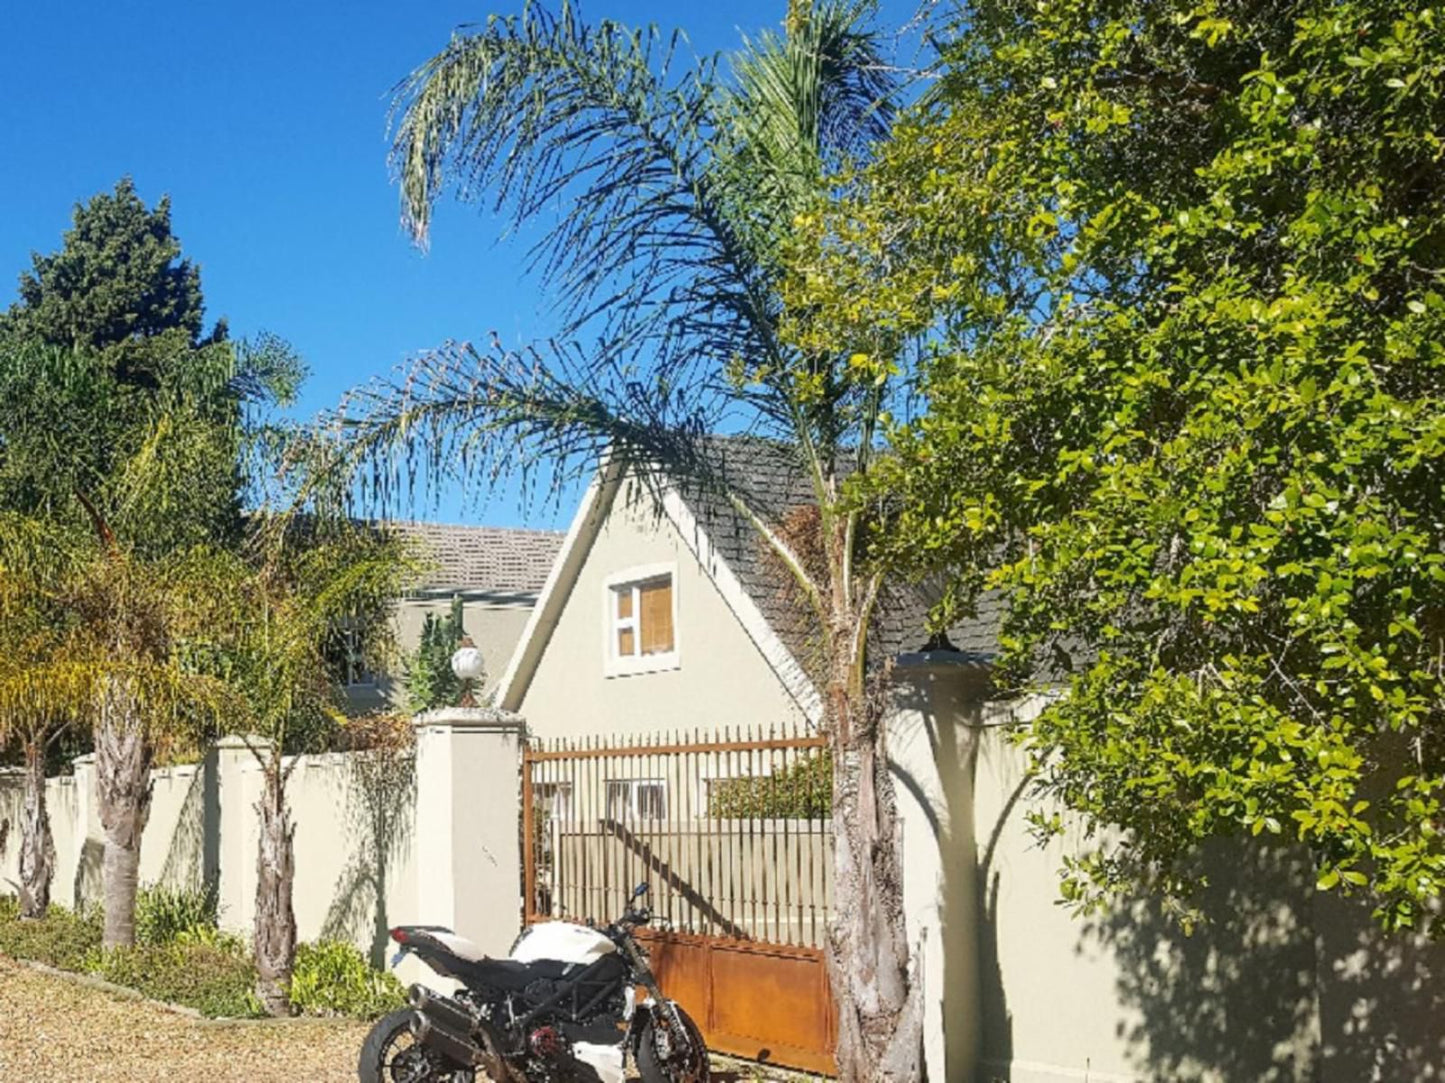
x: 235, y: 769
x: 468, y: 802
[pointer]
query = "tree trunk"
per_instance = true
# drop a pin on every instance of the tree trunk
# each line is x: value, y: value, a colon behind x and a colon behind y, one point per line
x: 880, y: 1006
x: 37, y: 846
x: 123, y: 756
x: 275, y: 932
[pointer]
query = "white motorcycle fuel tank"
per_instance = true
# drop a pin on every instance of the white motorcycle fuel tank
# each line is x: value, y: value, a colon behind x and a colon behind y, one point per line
x: 561, y: 942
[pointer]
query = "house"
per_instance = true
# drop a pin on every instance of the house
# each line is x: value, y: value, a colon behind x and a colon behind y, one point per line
x: 497, y: 573
x: 664, y: 615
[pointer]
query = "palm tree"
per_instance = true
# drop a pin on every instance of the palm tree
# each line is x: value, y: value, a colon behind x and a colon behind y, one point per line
x: 682, y: 184
x: 39, y: 695
x: 276, y: 609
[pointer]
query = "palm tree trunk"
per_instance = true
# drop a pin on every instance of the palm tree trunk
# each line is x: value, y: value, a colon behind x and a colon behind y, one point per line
x: 880, y: 1006
x: 275, y: 931
x: 123, y: 757
x: 37, y: 845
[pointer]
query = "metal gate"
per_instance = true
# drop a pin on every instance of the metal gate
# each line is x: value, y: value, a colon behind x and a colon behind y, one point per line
x: 734, y: 834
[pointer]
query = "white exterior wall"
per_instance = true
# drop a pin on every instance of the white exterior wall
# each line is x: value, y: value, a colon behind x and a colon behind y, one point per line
x: 722, y: 678
x: 495, y: 628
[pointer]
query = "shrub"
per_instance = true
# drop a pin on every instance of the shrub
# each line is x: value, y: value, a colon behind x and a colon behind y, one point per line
x: 61, y: 939
x: 162, y: 913
x: 333, y: 978
x: 216, y: 981
x: 803, y: 790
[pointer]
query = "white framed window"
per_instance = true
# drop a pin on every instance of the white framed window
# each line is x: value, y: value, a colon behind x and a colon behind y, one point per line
x: 553, y: 800
x: 631, y: 799
x: 639, y: 609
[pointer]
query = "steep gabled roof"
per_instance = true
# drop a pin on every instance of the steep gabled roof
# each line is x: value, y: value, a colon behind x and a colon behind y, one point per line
x: 770, y: 477
x: 771, y: 480
x: 484, y: 559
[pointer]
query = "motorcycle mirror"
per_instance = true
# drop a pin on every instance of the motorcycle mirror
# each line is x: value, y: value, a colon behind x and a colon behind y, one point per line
x: 640, y: 890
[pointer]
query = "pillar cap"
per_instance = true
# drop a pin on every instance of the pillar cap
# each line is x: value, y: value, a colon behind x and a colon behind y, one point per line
x: 469, y: 718
x: 235, y: 741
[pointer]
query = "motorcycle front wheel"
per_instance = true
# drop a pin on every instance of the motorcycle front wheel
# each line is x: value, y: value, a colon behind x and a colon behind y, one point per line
x: 391, y: 1054
x: 665, y: 1058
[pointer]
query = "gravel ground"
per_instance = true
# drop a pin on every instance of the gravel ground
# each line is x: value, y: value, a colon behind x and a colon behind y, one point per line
x: 55, y: 1029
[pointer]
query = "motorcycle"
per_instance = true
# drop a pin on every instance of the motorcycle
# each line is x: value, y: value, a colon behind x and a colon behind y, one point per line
x: 562, y: 1008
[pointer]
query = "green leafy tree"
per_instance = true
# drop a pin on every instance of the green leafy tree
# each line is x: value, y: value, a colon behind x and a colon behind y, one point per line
x: 430, y: 682
x: 125, y: 423
x: 1181, y: 265
x: 107, y: 333
x: 682, y: 183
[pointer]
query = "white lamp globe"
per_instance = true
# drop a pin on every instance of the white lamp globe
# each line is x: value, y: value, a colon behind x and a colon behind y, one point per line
x: 467, y: 662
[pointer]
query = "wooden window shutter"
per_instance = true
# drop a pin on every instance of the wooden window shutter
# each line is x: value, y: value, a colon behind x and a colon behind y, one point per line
x: 656, y: 614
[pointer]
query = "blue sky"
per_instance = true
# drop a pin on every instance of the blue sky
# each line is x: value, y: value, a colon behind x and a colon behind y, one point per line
x: 266, y: 123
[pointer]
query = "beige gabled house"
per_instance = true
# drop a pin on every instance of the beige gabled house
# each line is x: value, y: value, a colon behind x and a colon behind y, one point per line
x: 661, y: 613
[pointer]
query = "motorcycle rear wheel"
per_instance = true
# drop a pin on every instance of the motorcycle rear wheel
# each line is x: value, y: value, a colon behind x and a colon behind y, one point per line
x: 654, y: 1067
x: 391, y: 1054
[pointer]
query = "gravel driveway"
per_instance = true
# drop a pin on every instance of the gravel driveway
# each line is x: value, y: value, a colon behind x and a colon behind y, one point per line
x: 54, y: 1029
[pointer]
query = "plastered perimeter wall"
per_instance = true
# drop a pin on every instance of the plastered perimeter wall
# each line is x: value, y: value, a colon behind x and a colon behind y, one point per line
x: 1279, y: 985
x: 355, y: 871
x: 722, y: 679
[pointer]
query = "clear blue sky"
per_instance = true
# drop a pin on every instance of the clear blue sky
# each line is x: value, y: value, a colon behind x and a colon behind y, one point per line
x: 266, y: 123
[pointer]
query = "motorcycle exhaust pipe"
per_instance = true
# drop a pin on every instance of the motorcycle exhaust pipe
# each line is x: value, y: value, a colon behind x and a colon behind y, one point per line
x: 442, y: 1009
x: 445, y: 1025
x: 454, y: 1047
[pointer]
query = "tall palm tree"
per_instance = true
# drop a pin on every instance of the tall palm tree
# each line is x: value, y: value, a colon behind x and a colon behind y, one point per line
x: 679, y: 184
x: 39, y: 693
x: 275, y: 610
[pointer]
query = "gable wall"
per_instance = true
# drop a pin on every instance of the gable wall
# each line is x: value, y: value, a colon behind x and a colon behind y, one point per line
x: 722, y: 678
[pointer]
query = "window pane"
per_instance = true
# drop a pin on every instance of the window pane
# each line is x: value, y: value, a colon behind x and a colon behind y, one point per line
x: 626, y: 643
x: 657, y: 616
x: 624, y: 602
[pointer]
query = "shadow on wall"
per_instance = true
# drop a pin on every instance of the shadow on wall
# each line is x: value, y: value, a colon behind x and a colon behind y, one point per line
x: 86, y: 887
x: 947, y: 700
x: 189, y: 858
x: 1234, y: 1000
x: 1382, y: 1001
x: 381, y: 793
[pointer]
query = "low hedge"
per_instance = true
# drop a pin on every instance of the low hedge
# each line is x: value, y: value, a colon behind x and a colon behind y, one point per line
x: 183, y: 958
x: 216, y: 981
x: 61, y: 939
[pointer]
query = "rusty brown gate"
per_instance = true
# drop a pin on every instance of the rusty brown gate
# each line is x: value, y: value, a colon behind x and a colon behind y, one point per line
x: 734, y: 833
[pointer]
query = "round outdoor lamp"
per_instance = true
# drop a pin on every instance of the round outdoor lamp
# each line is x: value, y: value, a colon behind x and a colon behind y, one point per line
x: 467, y: 665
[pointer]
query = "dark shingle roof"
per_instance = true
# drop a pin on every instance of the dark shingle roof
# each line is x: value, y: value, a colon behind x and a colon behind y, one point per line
x: 483, y: 558
x: 772, y: 480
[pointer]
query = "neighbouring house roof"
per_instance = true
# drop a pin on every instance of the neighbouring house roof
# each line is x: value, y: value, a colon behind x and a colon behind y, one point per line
x: 482, y: 559
x: 769, y: 477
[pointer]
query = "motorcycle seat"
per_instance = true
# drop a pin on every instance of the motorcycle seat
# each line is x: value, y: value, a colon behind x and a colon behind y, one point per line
x: 468, y: 961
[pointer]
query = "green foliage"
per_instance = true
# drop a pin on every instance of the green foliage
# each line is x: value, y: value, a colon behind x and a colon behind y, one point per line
x: 215, y: 979
x: 430, y: 681
x: 61, y: 939
x: 334, y: 978
x: 1182, y: 262
x: 801, y: 791
x: 163, y: 914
